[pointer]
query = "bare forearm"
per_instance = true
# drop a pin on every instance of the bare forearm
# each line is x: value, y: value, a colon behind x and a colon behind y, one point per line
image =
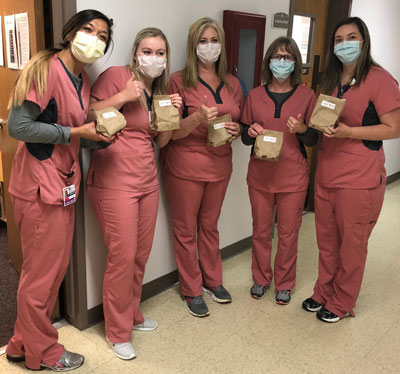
x: 117, y: 101
x: 375, y: 132
x: 163, y: 138
x: 187, y: 125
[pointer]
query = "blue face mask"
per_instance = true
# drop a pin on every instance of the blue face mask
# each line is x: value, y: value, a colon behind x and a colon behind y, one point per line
x: 348, y: 51
x: 281, y: 69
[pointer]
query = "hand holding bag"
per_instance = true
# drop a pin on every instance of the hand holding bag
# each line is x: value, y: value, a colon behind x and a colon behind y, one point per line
x: 268, y: 146
x: 217, y: 133
x: 108, y: 121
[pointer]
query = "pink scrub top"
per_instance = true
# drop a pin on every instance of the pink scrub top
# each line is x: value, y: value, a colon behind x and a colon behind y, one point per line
x: 191, y: 158
x: 290, y: 173
x: 352, y: 163
x: 48, y: 168
x: 129, y: 163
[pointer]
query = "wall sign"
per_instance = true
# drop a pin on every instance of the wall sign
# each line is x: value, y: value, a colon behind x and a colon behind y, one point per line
x: 280, y: 20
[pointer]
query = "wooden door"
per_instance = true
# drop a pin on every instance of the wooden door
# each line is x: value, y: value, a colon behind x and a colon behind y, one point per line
x: 326, y: 14
x: 8, y: 145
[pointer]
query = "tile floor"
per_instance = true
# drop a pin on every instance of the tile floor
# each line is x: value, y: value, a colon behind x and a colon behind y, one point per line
x: 258, y: 336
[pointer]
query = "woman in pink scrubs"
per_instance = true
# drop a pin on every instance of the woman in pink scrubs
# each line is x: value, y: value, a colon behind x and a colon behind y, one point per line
x: 123, y: 184
x: 196, y: 175
x: 350, y: 177
x: 280, y: 104
x: 49, y: 107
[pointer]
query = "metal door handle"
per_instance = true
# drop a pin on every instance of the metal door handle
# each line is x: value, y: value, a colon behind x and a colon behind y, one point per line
x: 1, y: 123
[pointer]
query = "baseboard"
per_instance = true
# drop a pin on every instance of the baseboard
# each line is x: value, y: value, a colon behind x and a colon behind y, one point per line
x: 156, y: 286
x: 393, y: 177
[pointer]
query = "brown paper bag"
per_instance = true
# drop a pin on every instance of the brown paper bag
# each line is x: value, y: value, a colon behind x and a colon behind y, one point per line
x: 217, y: 133
x: 164, y: 116
x: 268, y: 146
x: 108, y: 121
x: 326, y: 112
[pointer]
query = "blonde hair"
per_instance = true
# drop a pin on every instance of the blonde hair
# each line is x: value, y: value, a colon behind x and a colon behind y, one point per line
x: 190, y: 74
x: 35, y: 72
x: 161, y: 82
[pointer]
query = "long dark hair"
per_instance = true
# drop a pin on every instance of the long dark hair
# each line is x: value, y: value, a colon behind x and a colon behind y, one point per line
x: 290, y: 46
x: 334, y: 67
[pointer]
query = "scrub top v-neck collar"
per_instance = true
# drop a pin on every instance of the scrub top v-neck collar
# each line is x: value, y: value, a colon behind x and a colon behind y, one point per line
x: 278, y: 106
x: 216, y: 94
x: 78, y: 88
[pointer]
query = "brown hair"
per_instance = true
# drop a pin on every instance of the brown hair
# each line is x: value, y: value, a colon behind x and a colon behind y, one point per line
x: 290, y: 46
x: 334, y: 67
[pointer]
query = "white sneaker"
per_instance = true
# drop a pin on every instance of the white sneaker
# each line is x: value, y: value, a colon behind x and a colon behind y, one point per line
x: 124, y: 351
x: 147, y: 325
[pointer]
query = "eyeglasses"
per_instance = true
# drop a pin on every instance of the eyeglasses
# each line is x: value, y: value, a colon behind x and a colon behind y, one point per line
x: 285, y: 57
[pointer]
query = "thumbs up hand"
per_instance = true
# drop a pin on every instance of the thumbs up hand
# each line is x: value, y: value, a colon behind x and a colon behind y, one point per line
x: 133, y: 89
x: 207, y: 114
x: 296, y: 125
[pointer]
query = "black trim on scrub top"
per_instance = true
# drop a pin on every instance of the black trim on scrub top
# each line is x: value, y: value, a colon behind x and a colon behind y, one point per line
x: 371, y: 118
x: 43, y: 151
x: 216, y: 94
x: 149, y: 99
x: 71, y: 77
x: 278, y: 105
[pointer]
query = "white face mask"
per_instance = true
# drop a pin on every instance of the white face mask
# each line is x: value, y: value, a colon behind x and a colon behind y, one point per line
x: 87, y: 48
x: 209, y: 52
x: 151, y: 66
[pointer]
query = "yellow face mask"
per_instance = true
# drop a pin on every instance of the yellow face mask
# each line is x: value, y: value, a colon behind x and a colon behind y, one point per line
x: 87, y: 48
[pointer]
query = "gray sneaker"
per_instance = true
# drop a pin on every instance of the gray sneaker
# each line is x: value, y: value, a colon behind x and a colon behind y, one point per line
x: 283, y: 297
x: 147, y: 325
x: 68, y: 361
x: 124, y: 351
x: 258, y: 291
x: 196, y: 306
x: 218, y: 294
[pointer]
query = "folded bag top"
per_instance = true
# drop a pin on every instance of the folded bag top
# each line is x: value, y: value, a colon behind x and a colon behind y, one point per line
x: 109, y: 121
x: 326, y: 113
x: 268, y: 146
x: 164, y: 116
x: 217, y: 132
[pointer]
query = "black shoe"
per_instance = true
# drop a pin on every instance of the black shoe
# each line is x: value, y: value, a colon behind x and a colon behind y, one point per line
x: 310, y: 305
x: 196, y: 306
x: 15, y: 358
x: 283, y: 297
x: 218, y: 294
x: 326, y: 316
x: 258, y: 291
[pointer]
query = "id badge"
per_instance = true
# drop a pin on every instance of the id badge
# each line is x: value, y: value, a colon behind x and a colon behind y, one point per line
x: 69, y: 195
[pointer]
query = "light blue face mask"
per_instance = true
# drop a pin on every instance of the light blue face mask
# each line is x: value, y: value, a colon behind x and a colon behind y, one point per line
x: 348, y: 51
x: 281, y: 69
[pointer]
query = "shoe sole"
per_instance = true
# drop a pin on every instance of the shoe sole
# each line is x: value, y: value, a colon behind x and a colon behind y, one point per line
x: 124, y: 358
x: 12, y: 358
x: 257, y: 297
x: 312, y: 310
x: 280, y: 302
x: 197, y: 315
x: 215, y: 298
x: 144, y: 328
x: 332, y: 320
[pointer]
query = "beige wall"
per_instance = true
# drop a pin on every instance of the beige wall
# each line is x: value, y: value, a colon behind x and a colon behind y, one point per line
x: 382, y: 20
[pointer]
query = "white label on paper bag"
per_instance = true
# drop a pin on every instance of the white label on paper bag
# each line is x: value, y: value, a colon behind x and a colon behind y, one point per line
x: 164, y: 103
x: 219, y: 125
x: 109, y: 115
x: 327, y: 104
x: 269, y: 139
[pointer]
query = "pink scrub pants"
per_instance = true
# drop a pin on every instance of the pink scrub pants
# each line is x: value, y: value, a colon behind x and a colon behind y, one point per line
x: 344, y: 220
x: 196, y: 207
x: 46, y: 239
x: 289, y: 207
x: 128, y: 222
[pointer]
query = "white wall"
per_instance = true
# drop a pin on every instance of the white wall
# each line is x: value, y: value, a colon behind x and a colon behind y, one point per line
x: 381, y: 18
x: 173, y: 17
